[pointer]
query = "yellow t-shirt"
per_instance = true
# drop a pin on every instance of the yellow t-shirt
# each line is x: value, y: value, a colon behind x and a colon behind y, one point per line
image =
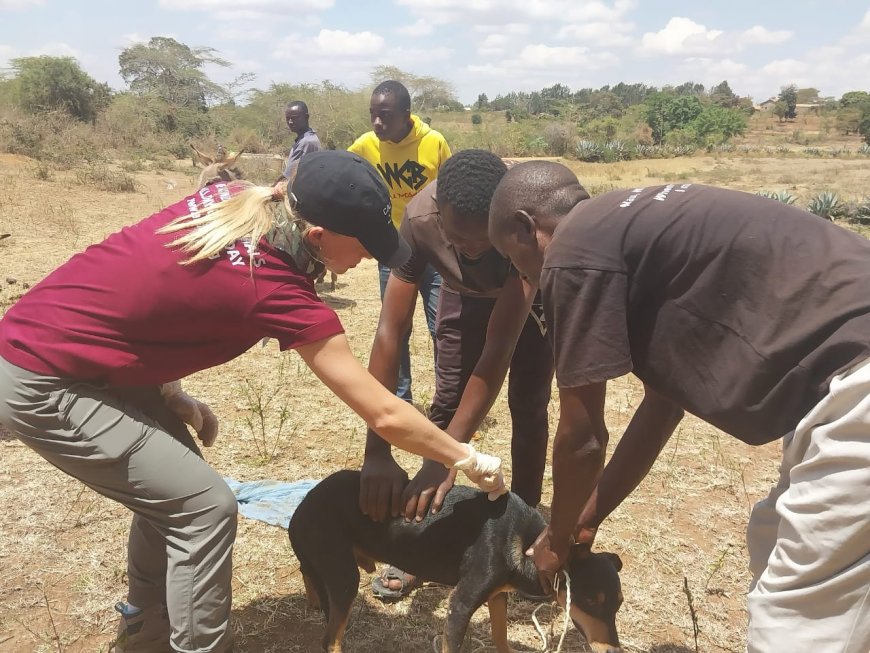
x: 407, y: 166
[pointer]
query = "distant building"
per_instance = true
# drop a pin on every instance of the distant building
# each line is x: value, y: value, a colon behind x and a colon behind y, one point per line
x: 767, y: 105
x: 800, y: 109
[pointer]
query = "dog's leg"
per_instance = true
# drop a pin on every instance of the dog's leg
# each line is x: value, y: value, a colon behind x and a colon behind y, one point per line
x: 333, y: 277
x: 465, y: 599
x: 311, y: 593
x: 341, y: 588
x: 498, y: 622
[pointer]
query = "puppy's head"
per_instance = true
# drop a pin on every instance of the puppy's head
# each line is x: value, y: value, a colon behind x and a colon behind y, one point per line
x: 596, y: 595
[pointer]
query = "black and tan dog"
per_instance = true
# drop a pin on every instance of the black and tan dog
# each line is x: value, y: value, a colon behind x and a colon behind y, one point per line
x: 476, y: 545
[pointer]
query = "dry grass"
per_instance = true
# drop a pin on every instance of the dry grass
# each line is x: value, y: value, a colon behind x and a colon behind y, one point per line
x: 62, y: 548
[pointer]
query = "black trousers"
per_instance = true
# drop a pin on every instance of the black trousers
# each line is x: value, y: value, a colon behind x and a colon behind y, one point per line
x: 460, y: 334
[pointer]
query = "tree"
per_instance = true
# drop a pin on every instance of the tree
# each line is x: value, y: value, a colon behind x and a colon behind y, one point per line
x: 605, y: 103
x: 864, y: 125
x: 722, y: 95
x: 717, y: 124
x: 853, y: 98
x: 788, y: 95
x: 689, y: 88
x: 425, y: 91
x: 172, y: 72
x: 666, y: 112
x: 632, y: 94
x: 849, y: 119
x: 58, y: 83
x: 807, y: 95
x: 482, y: 102
x: 780, y: 110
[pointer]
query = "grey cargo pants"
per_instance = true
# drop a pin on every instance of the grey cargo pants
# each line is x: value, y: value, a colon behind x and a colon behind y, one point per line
x: 126, y: 445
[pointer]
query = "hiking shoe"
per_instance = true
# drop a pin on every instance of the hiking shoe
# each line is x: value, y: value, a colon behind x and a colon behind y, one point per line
x: 142, y: 630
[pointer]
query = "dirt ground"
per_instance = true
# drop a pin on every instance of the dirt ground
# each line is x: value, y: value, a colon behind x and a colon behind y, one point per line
x: 62, y: 547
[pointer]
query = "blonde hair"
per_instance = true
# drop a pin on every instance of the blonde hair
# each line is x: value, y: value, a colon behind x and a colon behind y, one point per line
x: 249, y: 215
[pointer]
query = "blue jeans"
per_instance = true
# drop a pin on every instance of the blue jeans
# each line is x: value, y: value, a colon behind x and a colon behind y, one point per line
x: 430, y: 288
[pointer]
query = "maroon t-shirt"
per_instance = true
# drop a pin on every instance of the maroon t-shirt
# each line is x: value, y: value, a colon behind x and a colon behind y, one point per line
x: 738, y: 308
x: 125, y: 312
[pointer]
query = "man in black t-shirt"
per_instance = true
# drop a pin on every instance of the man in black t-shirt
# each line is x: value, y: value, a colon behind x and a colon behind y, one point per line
x: 752, y: 315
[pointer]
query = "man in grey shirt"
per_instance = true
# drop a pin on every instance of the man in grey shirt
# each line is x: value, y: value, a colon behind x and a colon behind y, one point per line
x: 306, y: 141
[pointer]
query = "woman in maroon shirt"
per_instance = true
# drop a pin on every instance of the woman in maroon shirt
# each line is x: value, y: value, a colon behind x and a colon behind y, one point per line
x: 89, y: 360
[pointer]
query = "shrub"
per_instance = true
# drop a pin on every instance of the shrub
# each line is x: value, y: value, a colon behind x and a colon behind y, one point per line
x: 476, y: 119
x: 558, y: 138
x: 104, y: 178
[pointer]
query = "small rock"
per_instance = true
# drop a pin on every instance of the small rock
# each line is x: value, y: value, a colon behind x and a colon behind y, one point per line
x: 11, y: 280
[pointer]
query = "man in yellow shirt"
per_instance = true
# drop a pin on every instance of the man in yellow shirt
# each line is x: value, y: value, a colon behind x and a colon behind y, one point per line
x: 407, y: 153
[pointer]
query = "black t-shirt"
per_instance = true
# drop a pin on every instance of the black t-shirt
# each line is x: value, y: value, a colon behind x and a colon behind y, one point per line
x: 738, y: 308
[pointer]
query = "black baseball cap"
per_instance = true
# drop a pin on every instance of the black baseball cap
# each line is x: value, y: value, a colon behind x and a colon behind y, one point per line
x: 342, y: 192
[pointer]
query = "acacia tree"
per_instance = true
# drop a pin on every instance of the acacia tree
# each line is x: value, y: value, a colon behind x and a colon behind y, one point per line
x: 172, y: 72
x: 425, y: 91
x: 58, y: 83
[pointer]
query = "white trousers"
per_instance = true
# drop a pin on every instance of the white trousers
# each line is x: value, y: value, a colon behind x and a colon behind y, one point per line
x: 809, y: 540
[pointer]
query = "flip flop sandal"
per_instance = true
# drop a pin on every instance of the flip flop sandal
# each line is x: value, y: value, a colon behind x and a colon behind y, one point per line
x: 381, y: 589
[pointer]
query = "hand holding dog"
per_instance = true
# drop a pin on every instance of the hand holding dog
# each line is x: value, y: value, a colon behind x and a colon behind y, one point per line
x: 432, y: 483
x: 483, y: 470
x: 381, y: 483
x: 549, y: 557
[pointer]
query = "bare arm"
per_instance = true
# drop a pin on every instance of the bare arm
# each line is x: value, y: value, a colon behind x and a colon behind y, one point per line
x: 578, y: 458
x: 382, y: 479
x: 397, y: 314
x: 650, y: 428
x: 506, y: 322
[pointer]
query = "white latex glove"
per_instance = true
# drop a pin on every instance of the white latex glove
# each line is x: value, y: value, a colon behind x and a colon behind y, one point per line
x: 191, y: 411
x: 483, y: 470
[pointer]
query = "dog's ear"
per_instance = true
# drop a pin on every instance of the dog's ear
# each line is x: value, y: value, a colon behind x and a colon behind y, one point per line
x: 615, y: 560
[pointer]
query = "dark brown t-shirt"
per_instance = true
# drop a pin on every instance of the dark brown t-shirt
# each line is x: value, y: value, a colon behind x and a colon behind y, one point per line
x: 738, y: 308
x: 421, y: 227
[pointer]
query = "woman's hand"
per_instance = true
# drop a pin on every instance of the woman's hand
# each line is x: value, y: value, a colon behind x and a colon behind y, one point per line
x: 483, y: 470
x: 191, y: 411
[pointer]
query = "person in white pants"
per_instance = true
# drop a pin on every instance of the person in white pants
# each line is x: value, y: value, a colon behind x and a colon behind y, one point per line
x: 750, y: 314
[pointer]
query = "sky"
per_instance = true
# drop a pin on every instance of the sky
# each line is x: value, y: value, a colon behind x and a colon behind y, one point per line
x: 479, y: 46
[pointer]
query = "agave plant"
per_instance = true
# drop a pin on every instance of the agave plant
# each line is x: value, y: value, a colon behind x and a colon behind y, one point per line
x: 644, y: 151
x: 617, y: 150
x: 683, y: 150
x: 825, y: 205
x: 780, y: 196
x: 588, y: 151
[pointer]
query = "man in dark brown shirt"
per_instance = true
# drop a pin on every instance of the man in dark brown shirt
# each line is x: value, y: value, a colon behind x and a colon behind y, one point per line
x: 752, y: 315
x: 486, y: 322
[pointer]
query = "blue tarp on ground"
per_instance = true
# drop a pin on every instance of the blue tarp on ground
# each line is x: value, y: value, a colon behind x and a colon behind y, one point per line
x: 272, y: 502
